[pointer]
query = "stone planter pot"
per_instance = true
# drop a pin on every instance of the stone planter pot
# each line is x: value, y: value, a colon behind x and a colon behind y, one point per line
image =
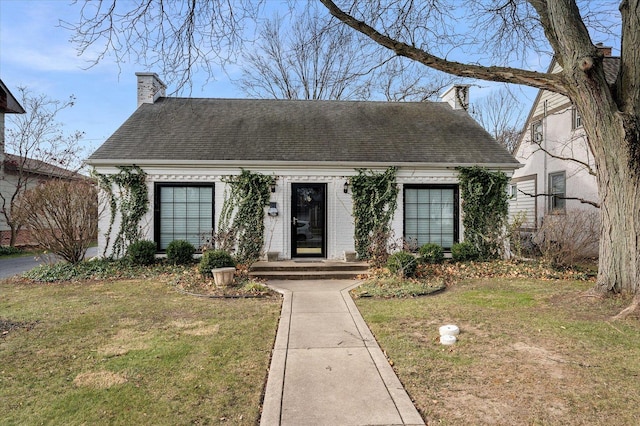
x: 223, y: 277
x: 350, y: 256
x: 272, y: 256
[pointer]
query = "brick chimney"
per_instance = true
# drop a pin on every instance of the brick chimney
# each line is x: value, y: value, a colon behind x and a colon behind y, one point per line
x: 605, y: 50
x: 150, y: 88
x: 457, y: 96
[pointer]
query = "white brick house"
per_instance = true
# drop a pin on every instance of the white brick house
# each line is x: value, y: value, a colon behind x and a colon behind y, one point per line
x: 187, y: 145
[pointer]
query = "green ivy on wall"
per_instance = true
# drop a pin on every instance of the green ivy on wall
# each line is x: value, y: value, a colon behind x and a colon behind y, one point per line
x: 485, y: 207
x: 131, y: 201
x: 242, y: 216
x: 375, y: 196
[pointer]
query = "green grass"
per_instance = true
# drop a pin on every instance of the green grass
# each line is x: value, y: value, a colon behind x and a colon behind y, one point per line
x: 530, y: 351
x: 134, y: 351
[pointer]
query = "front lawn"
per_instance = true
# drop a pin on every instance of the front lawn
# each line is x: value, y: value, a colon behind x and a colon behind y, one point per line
x: 131, y: 352
x: 530, y: 351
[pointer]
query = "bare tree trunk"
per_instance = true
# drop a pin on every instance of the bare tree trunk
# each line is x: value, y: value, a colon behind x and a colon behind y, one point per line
x: 13, y: 235
x: 619, y: 262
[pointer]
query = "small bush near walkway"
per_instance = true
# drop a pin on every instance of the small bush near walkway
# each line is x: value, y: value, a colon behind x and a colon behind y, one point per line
x: 215, y: 259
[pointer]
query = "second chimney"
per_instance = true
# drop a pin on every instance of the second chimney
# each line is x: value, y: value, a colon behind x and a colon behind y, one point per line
x: 457, y: 96
x: 150, y: 88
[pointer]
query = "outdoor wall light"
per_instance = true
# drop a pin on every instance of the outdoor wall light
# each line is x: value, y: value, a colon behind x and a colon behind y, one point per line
x: 345, y: 187
x: 273, y: 185
x: 273, y: 209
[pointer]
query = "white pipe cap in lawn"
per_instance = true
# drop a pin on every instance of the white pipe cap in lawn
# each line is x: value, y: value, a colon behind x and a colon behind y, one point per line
x: 447, y: 339
x: 449, y: 330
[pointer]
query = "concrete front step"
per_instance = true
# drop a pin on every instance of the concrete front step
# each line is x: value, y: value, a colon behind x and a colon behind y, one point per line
x: 308, y: 270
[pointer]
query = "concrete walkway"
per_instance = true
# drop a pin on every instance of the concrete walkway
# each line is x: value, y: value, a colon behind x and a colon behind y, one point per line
x: 327, y: 369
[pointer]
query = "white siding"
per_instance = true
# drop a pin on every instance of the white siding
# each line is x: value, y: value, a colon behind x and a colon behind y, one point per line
x: 524, y: 205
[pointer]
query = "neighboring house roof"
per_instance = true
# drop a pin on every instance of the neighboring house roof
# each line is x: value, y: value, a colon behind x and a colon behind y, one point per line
x: 8, y: 103
x: 192, y: 130
x: 37, y: 167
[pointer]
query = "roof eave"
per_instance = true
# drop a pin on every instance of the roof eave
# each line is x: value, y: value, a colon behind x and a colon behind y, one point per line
x: 292, y: 164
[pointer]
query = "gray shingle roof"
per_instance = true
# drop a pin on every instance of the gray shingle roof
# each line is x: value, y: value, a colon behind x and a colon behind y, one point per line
x: 191, y: 129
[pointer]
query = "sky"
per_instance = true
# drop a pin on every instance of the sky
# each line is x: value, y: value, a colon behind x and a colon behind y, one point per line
x: 35, y: 53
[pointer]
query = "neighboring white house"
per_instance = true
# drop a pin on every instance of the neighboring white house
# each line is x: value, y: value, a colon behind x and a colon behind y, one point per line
x: 557, y: 175
x: 187, y: 146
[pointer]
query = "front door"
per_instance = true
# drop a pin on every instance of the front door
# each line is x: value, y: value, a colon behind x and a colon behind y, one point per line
x: 308, y: 219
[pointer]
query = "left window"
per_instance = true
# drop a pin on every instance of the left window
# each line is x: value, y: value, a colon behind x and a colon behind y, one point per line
x: 183, y: 212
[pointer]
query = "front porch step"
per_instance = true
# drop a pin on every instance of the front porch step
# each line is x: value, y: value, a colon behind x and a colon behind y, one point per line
x: 308, y: 270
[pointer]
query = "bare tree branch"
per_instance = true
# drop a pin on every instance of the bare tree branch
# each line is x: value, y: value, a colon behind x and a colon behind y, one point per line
x: 552, y: 82
x: 313, y: 56
x: 582, y: 200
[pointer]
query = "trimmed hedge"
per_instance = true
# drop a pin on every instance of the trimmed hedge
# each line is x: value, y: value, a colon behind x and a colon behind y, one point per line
x: 215, y: 259
x: 180, y: 252
x: 142, y: 252
x: 464, y: 251
x: 431, y: 253
x: 403, y: 264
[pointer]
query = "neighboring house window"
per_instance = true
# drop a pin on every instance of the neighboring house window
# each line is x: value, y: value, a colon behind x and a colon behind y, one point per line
x: 431, y: 214
x: 536, y: 132
x: 577, y: 119
x: 557, y: 191
x: 513, y: 191
x: 183, y: 212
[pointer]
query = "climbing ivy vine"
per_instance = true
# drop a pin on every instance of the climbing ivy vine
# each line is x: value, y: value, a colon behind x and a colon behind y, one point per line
x: 241, y: 221
x: 131, y: 201
x: 375, y: 196
x: 485, y: 207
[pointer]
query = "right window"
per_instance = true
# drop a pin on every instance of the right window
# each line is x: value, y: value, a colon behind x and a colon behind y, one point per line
x: 557, y: 191
x: 431, y: 214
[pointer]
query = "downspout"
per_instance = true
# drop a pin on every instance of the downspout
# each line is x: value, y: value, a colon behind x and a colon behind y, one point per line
x: 544, y: 146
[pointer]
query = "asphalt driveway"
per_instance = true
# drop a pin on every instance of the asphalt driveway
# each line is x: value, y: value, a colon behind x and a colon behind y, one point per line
x: 17, y: 265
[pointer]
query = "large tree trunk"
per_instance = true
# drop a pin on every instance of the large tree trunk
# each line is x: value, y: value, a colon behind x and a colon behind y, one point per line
x: 619, y: 262
x: 613, y: 136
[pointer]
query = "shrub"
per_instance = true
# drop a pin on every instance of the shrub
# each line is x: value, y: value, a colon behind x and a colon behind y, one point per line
x: 464, y: 251
x: 180, y: 252
x: 215, y: 259
x: 431, y: 253
x: 565, y: 239
x: 142, y: 252
x: 8, y: 250
x: 62, y: 216
x: 402, y: 263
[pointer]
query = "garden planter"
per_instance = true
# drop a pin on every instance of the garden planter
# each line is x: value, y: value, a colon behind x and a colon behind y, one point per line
x: 223, y: 277
x: 272, y: 256
x: 350, y: 256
